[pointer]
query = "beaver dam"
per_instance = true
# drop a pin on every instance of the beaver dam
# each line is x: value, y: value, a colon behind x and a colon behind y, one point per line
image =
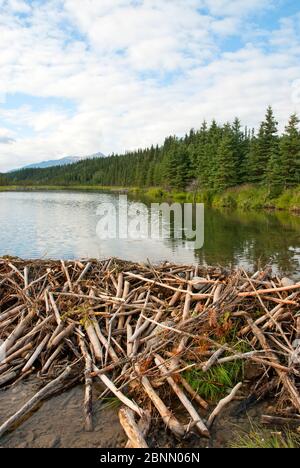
x: 169, y: 344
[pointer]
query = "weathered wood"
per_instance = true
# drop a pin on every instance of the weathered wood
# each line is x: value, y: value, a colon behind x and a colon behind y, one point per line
x: 38, y: 397
x: 221, y: 405
x: 91, y: 332
x: 131, y: 428
x: 36, y: 354
x: 182, y: 397
x: 111, y: 386
x: 166, y: 415
x: 88, y: 397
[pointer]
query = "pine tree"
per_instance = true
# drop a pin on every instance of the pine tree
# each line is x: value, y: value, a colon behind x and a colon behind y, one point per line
x: 226, y: 173
x: 266, y: 148
x: 239, y: 148
x: 290, y: 153
x: 274, y: 173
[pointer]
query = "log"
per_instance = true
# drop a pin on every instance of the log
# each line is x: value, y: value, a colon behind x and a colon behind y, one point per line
x: 8, y: 377
x: 182, y: 397
x: 88, y: 396
x: 268, y: 291
x: 44, y: 393
x: 131, y: 429
x: 166, y: 415
x: 8, y: 343
x: 91, y: 332
x: 278, y: 421
x: 36, y: 354
x: 16, y: 354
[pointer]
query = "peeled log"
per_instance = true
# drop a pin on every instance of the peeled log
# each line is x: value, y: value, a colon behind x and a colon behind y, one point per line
x: 131, y: 428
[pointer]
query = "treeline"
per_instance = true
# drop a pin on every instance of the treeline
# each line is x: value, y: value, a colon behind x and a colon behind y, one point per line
x: 213, y: 158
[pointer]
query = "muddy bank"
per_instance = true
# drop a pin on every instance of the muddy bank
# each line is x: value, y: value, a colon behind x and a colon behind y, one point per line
x: 58, y: 423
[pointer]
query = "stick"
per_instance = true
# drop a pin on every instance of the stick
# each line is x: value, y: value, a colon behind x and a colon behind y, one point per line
x: 182, y: 397
x: 169, y: 420
x: 55, y: 309
x: 286, y: 381
x: 68, y: 331
x: 4, y: 348
x: 90, y: 330
x: 144, y: 425
x: 268, y: 291
x: 38, y: 397
x: 222, y: 405
x: 52, y: 358
x: 88, y: 397
x: 131, y: 429
x: 214, y: 358
x: 110, y: 385
x: 85, y: 271
x: 36, y: 354
x: 192, y: 392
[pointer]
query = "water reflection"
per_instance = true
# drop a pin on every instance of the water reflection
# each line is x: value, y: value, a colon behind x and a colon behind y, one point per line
x: 63, y: 225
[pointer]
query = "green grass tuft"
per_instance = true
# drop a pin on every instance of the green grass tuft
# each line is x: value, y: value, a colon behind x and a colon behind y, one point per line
x: 267, y: 440
x: 110, y: 403
x: 216, y: 382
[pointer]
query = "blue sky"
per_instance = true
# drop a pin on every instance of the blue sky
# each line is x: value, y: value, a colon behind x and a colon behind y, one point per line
x: 81, y: 77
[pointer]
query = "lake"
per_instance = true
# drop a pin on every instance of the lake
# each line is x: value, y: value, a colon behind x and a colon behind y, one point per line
x: 62, y: 225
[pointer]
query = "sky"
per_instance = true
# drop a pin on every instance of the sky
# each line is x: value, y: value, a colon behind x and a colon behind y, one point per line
x: 78, y: 77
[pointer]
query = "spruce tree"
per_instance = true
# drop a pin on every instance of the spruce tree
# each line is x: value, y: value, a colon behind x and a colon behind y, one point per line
x: 226, y: 172
x: 239, y: 148
x: 267, y: 143
x: 290, y: 153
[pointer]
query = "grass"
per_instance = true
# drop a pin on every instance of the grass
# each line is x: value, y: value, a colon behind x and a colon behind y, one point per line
x: 245, y: 197
x: 253, y: 197
x: 261, y: 438
x: 110, y: 403
x: 216, y: 382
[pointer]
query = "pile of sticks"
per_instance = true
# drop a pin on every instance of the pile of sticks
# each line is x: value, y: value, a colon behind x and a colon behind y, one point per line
x: 138, y: 329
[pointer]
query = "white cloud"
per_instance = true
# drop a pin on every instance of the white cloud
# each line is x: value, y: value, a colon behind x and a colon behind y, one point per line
x: 135, y: 71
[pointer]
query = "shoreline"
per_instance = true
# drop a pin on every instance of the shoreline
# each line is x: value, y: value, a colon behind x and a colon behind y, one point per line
x: 246, y: 198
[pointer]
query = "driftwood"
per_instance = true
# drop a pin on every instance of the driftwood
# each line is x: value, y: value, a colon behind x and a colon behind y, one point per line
x: 31, y: 404
x: 222, y: 405
x: 182, y: 397
x: 141, y: 329
x: 88, y: 397
x: 131, y: 428
x: 169, y: 420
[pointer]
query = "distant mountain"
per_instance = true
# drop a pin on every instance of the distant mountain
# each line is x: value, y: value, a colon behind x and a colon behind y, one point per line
x: 62, y: 161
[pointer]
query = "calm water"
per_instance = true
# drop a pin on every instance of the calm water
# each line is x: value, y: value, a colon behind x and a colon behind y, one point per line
x: 63, y: 225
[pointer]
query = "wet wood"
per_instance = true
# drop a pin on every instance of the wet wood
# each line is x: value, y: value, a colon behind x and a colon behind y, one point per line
x: 142, y: 330
x: 131, y: 429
